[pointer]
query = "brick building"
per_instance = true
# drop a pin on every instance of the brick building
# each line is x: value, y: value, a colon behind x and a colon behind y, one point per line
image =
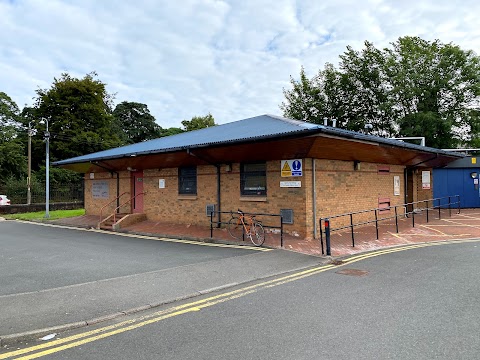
x: 264, y: 164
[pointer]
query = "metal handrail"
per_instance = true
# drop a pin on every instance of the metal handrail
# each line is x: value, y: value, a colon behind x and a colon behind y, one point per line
x: 378, y: 211
x: 103, y: 207
x: 125, y: 203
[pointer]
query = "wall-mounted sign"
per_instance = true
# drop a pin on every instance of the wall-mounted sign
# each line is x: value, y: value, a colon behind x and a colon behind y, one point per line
x: 100, y: 189
x: 291, y: 167
x: 474, y: 160
x: 92, y: 175
x: 290, y: 184
x: 396, y: 185
x: 161, y: 183
x: 426, y: 180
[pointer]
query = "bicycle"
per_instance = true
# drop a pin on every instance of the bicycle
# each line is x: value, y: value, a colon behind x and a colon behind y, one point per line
x: 241, y: 224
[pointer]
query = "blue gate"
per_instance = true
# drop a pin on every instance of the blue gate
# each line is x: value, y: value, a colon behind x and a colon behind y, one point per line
x: 447, y: 182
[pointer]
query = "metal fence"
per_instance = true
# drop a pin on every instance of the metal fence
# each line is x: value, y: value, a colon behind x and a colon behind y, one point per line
x: 17, y: 193
x: 431, y: 207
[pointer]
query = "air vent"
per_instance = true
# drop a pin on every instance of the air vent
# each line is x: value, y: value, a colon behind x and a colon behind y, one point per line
x: 209, y: 209
x: 287, y: 215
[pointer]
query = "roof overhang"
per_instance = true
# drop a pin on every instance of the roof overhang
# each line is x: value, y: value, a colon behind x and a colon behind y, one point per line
x: 320, y: 144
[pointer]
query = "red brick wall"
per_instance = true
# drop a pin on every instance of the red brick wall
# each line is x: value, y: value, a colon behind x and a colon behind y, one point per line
x: 339, y: 189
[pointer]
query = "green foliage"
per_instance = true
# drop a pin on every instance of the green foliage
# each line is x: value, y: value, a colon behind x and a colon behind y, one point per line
x: 57, y: 176
x: 12, y: 150
x: 40, y: 215
x: 136, y: 122
x: 199, y: 122
x: 79, y: 116
x: 415, y: 88
x: 171, y: 131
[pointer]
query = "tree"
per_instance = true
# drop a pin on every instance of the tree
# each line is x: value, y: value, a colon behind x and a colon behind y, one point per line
x: 136, y: 122
x: 79, y: 112
x: 416, y: 88
x: 12, y: 150
x: 171, y: 131
x: 199, y: 122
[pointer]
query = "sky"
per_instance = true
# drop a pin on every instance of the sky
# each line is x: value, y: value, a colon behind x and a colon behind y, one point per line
x: 193, y: 57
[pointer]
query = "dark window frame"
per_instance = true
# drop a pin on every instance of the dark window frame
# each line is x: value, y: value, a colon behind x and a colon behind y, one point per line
x: 246, y: 176
x: 187, y: 180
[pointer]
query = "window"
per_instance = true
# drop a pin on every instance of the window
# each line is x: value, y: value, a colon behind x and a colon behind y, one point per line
x: 187, y: 180
x: 253, y: 179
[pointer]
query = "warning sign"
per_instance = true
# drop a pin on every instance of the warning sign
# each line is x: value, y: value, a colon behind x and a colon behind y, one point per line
x: 291, y: 168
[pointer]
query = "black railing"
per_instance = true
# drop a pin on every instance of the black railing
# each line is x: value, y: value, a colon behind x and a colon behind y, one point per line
x: 58, y: 193
x: 430, y: 206
x: 218, y: 224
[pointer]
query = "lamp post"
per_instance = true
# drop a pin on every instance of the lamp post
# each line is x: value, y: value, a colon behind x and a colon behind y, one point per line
x: 47, y: 172
x: 29, y: 175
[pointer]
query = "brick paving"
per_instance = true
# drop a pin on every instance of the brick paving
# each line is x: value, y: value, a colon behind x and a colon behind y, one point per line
x: 457, y: 226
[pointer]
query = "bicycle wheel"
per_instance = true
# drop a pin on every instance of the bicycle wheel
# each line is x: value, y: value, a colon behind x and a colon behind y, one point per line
x: 235, y: 228
x: 258, y: 234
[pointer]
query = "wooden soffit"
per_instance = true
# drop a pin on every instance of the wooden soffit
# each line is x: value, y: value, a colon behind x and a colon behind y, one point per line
x: 320, y: 146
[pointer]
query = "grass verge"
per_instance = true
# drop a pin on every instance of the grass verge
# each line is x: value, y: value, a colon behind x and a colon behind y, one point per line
x: 40, y: 215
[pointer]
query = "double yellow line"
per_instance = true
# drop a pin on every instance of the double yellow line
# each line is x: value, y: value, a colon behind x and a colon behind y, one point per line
x: 58, y: 345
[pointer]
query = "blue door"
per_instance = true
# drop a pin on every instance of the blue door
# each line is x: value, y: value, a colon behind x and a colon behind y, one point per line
x: 448, y: 182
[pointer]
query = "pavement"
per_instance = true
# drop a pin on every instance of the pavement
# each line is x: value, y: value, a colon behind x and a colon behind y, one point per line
x: 31, y: 315
x: 444, y: 225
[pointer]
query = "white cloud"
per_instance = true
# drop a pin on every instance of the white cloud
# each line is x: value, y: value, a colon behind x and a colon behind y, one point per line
x: 230, y: 58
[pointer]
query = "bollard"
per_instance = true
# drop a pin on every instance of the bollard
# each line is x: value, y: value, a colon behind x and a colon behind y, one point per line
x: 327, y: 236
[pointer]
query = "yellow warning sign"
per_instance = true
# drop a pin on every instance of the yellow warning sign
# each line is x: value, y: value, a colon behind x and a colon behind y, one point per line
x: 286, y: 170
x: 474, y: 160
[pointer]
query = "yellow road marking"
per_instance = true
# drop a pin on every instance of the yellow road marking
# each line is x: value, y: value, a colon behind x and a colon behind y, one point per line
x: 164, y: 239
x: 107, y: 331
x: 428, y: 228
x: 396, y: 235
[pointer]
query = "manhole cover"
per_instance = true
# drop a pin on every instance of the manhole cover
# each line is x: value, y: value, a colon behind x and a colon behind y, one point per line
x: 352, y: 272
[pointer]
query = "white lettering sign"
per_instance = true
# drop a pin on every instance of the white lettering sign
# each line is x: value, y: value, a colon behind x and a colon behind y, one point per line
x: 396, y: 185
x: 425, y: 179
x: 100, y: 189
x: 290, y: 184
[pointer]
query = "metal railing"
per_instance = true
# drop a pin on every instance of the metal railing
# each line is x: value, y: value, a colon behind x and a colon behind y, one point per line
x: 430, y: 206
x: 125, y: 203
x: 109, y: 203
x: 58, y: 193
x: 233, y: 213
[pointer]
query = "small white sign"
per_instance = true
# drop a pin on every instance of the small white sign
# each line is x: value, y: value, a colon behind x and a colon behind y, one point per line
x: 396, y: 185
x: 291, y: 167
x: 161, y: 183
x: 92, y: 175
x: 426, y: 180
x: 290, y: 184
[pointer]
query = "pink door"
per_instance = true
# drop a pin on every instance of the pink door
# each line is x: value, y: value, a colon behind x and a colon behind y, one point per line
x: 137, y: 190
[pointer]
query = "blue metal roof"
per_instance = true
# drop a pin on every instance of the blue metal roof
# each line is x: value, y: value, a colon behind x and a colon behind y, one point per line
x: 263, y: 126
x: 258, y: 127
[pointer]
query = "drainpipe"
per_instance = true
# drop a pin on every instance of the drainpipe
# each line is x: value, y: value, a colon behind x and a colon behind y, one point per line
x: 118, y: 192
x: 218, y: 196
x: 314, y: 200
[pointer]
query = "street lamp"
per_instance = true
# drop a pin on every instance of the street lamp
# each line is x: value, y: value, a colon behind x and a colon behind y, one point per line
x: 29, y: 175
x: 47, y: 171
